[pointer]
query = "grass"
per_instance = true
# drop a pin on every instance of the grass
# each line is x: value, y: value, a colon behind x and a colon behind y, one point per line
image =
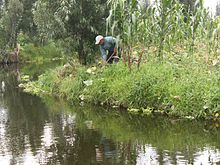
x: 186, y: 89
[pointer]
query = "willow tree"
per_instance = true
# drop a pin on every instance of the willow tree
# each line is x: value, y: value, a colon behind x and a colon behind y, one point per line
x: 45, y: 21
x: 75, y: 22
x: 11, y: 17
x: 26, y: 24
x: 87, y: 18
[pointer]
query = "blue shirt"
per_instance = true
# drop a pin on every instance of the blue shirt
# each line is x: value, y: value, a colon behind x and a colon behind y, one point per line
x: 109, y: 44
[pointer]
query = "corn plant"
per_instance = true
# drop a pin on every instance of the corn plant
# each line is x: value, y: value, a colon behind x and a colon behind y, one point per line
x: 126, y: 16
x: 168, y: 26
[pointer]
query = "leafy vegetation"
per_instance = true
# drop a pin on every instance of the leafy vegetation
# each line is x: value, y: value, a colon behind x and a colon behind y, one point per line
x: 166, y: 26
x: 169, y: 53
x: 35, y: 53
x: 179, y: 90
x: 72, y: 25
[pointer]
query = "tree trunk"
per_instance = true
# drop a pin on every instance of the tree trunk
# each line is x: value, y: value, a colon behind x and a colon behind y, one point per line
x: 82, y: 53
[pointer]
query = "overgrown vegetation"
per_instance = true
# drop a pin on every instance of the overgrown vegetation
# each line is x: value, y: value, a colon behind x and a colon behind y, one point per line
x: 33, y: 53
x: 173, y: 89
x: 169, y: 56
x: 72, y: 25
x: 170, y: 27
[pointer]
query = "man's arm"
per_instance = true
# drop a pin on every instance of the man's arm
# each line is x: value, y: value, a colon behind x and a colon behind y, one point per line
x: 114, y: 41
x: 103, y: 51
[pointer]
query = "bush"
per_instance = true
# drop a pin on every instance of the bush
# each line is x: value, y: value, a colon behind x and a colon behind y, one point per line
x: 72, y: 85
x: 181, y: 89
x: 31, y: 52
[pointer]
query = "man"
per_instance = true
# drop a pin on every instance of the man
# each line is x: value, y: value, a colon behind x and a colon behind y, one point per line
x: 107, y: 44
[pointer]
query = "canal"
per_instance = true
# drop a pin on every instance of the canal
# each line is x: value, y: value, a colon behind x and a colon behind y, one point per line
x: 46, y: 130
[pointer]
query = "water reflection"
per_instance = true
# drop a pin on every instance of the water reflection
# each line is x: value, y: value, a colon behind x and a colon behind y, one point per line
x: 35, y: 131
x: 148, y: 155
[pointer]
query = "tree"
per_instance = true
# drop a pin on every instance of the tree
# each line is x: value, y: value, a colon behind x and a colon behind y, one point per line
x: 76, y: 21
x: 26, y: 24
x: 85, y: 21
x: 44, y: 20
x: 11, y: 17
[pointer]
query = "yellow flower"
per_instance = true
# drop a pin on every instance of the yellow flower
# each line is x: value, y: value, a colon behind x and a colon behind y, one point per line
x: 216, y: 114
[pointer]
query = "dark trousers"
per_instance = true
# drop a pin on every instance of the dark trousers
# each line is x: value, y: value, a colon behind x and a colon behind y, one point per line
x: 110, y: 57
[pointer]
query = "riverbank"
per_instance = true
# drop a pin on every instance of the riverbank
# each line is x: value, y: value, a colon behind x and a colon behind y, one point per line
x: 186, y: 88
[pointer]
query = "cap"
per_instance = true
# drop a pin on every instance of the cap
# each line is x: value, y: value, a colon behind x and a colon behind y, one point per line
x: 98, y: 39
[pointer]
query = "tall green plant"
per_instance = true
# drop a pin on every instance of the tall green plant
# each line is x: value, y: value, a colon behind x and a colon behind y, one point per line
x: 169, y: 22
x: 123, y: 20
x: 77, y: 22
x: 11, y: 17
x: 164, y: 25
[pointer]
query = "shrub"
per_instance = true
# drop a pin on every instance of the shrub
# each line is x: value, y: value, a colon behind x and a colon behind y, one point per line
x: 32, y: 52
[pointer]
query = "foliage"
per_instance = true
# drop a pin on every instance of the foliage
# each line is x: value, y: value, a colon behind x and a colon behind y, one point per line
x: 46, y: 22
x: 74, y: 21
x: 162, y: 26
x: 26, y: 24
x: 33, y: 52
x: 74, y: 24
x: 176, y: 89
x: 179, y: 44
x: 61, y: 82
x: 10, y: 19
x: 72, y: 85
x: 86, y: 21
x: 34, y: 69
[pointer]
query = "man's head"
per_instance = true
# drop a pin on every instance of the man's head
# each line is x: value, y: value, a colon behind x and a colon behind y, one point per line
x: 99, y: 40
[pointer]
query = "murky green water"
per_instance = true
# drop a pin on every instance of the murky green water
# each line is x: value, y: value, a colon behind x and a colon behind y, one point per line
x: 48, y: 131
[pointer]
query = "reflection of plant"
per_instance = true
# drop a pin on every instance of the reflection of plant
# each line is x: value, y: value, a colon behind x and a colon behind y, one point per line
x: 131, y: 133
x: 157, y: 131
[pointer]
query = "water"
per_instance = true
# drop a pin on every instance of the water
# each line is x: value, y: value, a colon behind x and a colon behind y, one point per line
x: 37, y: 131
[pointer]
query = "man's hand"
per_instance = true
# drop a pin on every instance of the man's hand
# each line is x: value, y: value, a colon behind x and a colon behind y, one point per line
x: 104, y: 62
x: 115, y: 51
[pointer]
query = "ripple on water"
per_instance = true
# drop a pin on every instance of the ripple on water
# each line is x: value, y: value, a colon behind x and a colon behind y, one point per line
x: 207, y: 155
